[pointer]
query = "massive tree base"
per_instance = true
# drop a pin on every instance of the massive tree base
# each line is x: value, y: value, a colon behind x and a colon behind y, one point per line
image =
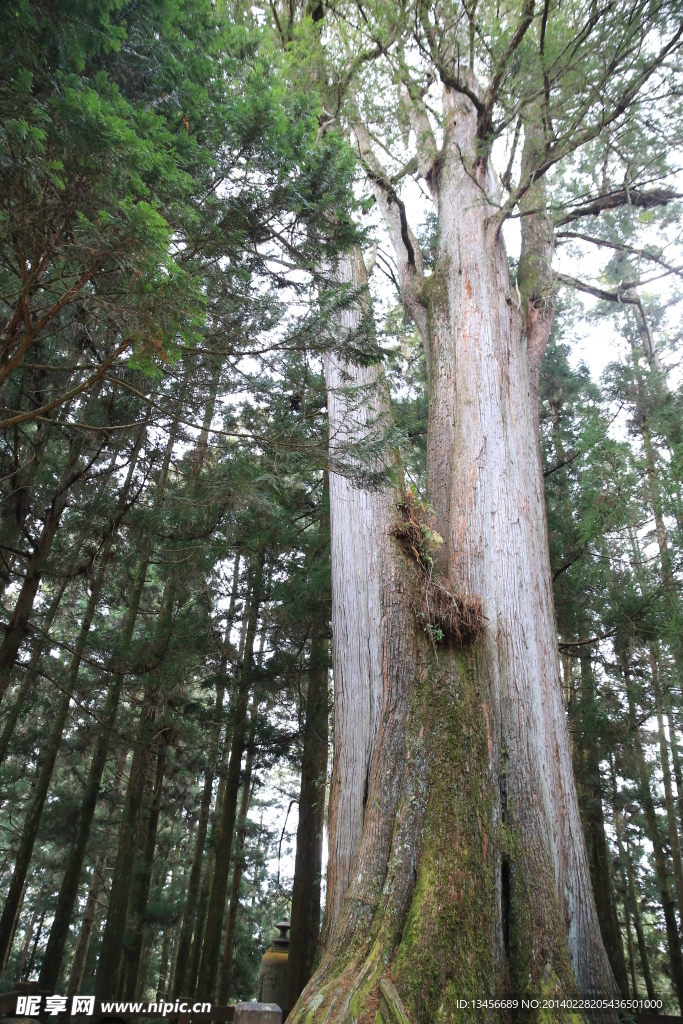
x: 466, y: 909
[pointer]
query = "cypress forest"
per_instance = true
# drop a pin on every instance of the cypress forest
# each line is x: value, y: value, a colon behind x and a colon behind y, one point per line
x: 341, y: 466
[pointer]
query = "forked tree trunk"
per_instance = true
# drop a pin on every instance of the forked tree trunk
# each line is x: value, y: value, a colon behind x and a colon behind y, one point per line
x: 458, y: 867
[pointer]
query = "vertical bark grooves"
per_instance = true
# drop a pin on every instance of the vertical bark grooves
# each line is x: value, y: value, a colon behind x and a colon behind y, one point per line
x: 470, y: 765
x: 305, y: 916
x: 499, y: 552
x: 360, y: 522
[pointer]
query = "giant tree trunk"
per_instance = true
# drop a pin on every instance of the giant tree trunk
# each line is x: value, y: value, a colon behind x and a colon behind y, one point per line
x: 466, y: 864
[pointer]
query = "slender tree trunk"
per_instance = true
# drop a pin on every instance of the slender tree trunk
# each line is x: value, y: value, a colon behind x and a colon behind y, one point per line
x: 675, y: 751
x: 203, y: 442
x: 630, y: 896
x: 29, y: 966
x: 112, y: 942
x: 672, y: 820
x: 589, y: 784
x: 468, y: 816
x: 107, y: 977
x: 29, y: 935
x: 174, y: 964
x: 668, y: 581
x: 16, y: 506
x: 35, y: 807
x: 16, y: 629
x: 640, y: 934
x: 146, y: 947
x: 208, y: 967
x: 72, y: 872
x: 30, y: 674
x: 225, y: 976
x: 189, y: 916
x: 203, y: 902
x: 140, y: 890
x: 305, y: 916
x: 163, y: 964
x: 185, y: 940
x: 87, y: 924
x: 655, y: 837
x: 631, y: 955
x: 68, y: 892
x: 106, y: 982
x: 18, y: 623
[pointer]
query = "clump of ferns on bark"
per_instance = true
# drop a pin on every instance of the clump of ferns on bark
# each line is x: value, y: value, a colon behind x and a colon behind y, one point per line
x: 449, y: 617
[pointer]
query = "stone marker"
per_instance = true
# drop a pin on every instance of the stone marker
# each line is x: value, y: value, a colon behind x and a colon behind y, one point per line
x: 257, y: 1013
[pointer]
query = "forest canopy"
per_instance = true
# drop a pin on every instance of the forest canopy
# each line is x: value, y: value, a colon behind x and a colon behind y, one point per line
x: 340, y: 501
